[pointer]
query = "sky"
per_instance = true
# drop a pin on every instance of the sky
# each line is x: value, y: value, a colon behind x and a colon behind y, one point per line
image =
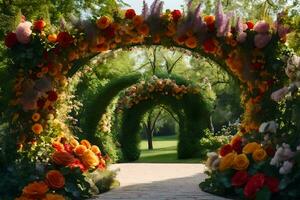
x: 169, y: 4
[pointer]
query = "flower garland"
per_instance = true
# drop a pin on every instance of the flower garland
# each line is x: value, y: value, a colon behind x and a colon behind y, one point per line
x: 145, y: 90
x: 43, y: 61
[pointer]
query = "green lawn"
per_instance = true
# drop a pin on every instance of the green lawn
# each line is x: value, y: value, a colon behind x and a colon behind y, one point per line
x: 165, y: 151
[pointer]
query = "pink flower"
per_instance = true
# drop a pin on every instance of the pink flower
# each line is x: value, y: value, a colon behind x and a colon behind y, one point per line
x: 23, y: 32
x: 279, y: 94
x: 262, y: 39
x: 261, y: 27
x: 241, y: 37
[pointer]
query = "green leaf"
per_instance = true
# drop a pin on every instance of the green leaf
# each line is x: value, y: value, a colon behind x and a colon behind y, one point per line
x: 264, y: 194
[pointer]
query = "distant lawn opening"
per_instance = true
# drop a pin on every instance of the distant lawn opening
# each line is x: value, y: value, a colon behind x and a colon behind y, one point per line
x: 165, y: 151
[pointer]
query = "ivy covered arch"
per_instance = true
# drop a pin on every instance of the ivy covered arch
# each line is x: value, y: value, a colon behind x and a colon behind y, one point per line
x: 42, y: 61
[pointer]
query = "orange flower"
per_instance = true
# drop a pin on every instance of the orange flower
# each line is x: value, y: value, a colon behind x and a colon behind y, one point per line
x: 103, y: 22
x: 143, y: 29
x: 54, y: 197
x: 259, y: 155
x: 62, y: 158
x: 95, y: 149
x: 37, y: 128
x: 138, y: 20
x: 210, y: 19
x: 74, y: 143
x: 251, y: 147
x: 241, y: 162
x: 90, y: 159
x: 35, y: 190
x: 79, y: 150
x: 226, y: 162
x: 55, y: 179
x: 36, y: 117
x: 191, y: 42
x: 52, y: 38
x: 86, y: 143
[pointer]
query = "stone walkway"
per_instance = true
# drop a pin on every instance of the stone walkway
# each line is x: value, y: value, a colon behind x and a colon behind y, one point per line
x: 159, y: 182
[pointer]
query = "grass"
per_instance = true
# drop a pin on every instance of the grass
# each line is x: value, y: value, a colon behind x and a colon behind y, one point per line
x: 165, y: 151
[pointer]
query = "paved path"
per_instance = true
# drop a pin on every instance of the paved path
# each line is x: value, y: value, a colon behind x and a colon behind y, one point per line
x: 159, y: 182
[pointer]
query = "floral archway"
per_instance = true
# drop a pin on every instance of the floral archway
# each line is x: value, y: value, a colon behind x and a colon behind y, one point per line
x: 42, y: 61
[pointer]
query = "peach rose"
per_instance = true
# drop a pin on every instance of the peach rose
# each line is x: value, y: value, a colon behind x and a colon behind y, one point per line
x: 226, y: 162
x: 62, y: 158
x: 37, y: 128
x: 54, y: 197
x: 138, y: 20
x: 35, y: 190
x: 55, y: 179
x: 90, y: 159
x: 80, y: 149
x: 74, y: 143
x: 241, y: 162
x: 36, y: 117
x: 251, y: 147
x: 52, y: 38
x: 23, y: 32
x: 259, y: 155
x: 95, y: 149
x: 86, y: 143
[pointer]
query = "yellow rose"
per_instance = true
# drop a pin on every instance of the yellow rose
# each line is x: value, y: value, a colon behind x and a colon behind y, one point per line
x: 251, y: 147
x: 241, y: 162
x: 226, y: 161
x: 90, y: 159
x: 259, y: 155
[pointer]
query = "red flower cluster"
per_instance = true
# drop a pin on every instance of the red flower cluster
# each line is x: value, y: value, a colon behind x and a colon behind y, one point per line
x: 237, y: 145
x: 240, y: 178
x: 226, y: 149
x: 176, y: 15
x: 11, y: 40
x: 52, y: 96
x: 257, y: 182
x: 64, y: 39
x: 130, y: 14
x: 250, y: 25
x: 39, y: 25
x: 209, y: 46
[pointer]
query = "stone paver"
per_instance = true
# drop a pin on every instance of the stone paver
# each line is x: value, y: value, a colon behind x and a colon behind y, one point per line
x: 158, y: 182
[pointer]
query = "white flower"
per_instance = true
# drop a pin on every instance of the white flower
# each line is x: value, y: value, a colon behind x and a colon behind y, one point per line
x: 279, y: 94
x: 270, y: 127
x: 212, y: 160
x: 286, y: 167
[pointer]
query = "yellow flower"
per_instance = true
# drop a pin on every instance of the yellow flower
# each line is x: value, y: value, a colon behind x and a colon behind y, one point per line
x: 241, y: 162
x: 36, y: 117
x: 259, y: 155
x: 90, y: 159
x: 37, y: 128
x: 251, y: 147
x: 227, y: 161
x: 95, y: 149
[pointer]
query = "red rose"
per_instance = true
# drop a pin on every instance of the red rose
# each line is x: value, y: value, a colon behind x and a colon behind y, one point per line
x: 209, y: 46
x: 270, y: 151
x: 64, y: 39
x: 237, y: 145
x: 250, y: 24
x: 226, y: 149
x: 11, y: 40
x: 211, y: 27
x: 240, y: 178
x: 176, y: 14
x: 109, y: 32
x: 77, y: 164
x: 39, y: 25
x: 52, y: 96
x: 272, y: 183
x: 68, y: 148
x: 255, y: 183
x: 41, y: 103
x: 130, y: 13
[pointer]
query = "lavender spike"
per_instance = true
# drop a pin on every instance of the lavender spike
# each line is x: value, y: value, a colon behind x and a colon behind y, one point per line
x: 239, y: 25
x: 145, y: 12
x: 159, y: 9
x: 154, y: 6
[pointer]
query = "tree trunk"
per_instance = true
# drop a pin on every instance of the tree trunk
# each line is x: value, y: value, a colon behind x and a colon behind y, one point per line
x: 150, y: 141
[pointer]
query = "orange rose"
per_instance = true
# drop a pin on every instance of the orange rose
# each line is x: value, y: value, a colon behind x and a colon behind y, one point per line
x: 251, y: 147
x: 90, y: 159
x: 103, y: 22
x: 259, y: 155
x: 138, y: 20
x: 209, y: 19
x: 74, y: 143
x: 37, y: 128
x: 191, y: 42
x: 55, y: 179
x: 62, y: 158
x: 54, y: 197
x: 226, y: 162
x: 36, y: 117
x: 35, y: 190
x: 52, y: 38
x: 143, y: 29
x: 86, y: 143
x: 241, y: 162
x: 80, y: 149
x: 95, y: 149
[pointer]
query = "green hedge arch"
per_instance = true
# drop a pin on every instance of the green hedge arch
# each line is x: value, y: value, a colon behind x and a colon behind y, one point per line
x: 192, y: 110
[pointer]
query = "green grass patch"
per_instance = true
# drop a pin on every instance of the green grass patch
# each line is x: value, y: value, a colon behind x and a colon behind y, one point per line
x: 165, y: 151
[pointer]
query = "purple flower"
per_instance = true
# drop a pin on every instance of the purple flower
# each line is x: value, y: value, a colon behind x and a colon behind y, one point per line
x: 262, y: 39
x: 222, y: 21
x: 279, y: 94
x: 261, y: 27
x: 241, y: 37
x: 145, y: 12
x: 283, y: 30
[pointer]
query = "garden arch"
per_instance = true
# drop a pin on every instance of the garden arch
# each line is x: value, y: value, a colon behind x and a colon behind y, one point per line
x: 42, y: 61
